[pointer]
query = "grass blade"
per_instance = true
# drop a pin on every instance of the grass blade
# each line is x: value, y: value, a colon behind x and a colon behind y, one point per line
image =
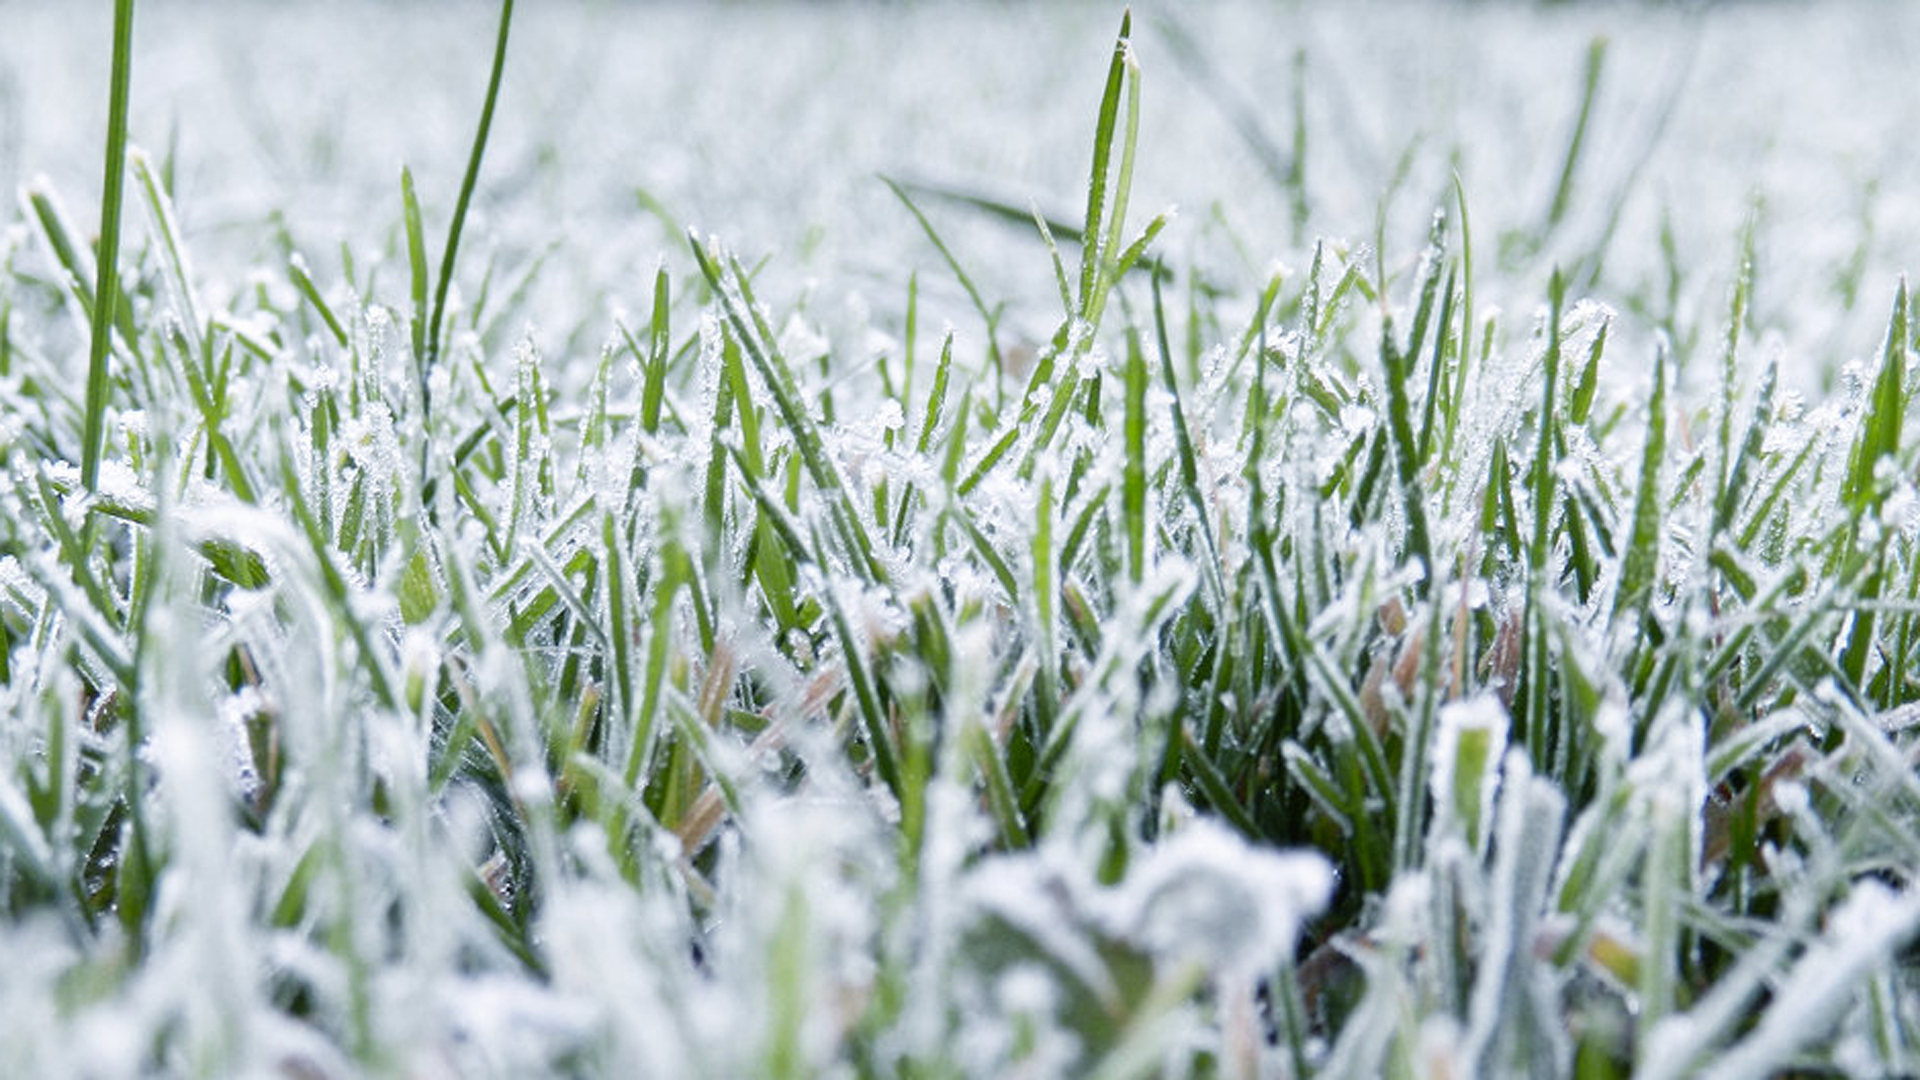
x: 106, y: 286
x: 467, y: 183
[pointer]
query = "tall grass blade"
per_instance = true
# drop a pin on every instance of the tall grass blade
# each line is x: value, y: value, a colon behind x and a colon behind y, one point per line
x: 468, y: 181
x: 106, y: 286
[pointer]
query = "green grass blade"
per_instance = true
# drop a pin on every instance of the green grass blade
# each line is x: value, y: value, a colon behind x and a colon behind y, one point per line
x: 1879, y: 440
x: 417, y: 267
x: 1569, y: 165
x: 988, y: 315
x: 1879, y: 435
x: 1098, y: 180
x: 173, y: 258
x: 778, y: 377
x: 467, y: 184
x: 1642, y: 558
x: 1183, y: 444
x: 1543, y: 454
x: 1134, y: 490
x: 106, y: 287
x: 302, y: 280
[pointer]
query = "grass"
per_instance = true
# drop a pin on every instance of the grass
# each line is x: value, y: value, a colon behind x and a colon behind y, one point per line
x: 106, y: 289
x: 1315, y: 674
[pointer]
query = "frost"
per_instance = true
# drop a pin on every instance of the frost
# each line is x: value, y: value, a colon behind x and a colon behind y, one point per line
x: 1090, y: 363
x: 609, y: 804
x: 1206, y: 895
x: 801, y: 343
x: 1470, y: 740
x: 120, y: 486
x: 1588, y: 313
x: 372, y: 445
x: 1868, y: 927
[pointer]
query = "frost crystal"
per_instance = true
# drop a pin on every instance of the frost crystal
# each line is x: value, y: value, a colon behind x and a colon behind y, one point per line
x: 1206, y: 895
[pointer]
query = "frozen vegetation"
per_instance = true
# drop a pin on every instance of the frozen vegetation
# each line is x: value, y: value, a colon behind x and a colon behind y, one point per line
x: 771, y: 601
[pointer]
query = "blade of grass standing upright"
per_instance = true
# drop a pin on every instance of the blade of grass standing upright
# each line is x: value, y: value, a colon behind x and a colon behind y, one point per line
x: 1102, y: 259
x: 1730, y: 371
x: 737, y: 305
x: 1879, y: 438
x: 417, y: 272
x: 659, y: 341
x: 1543, y: 460
x: 987, y: 314
x: 1443, y: 336
x: 1047, y: 693
x: 1093, y: 234
x: 1183, y: 444
x: 173, y: 261
x: 1398, y: 366
x: 1880, y: 427
x: 1134, y: 491
x: 1538, y: 698
x: 136, y: 875
x: 467, y: 183
x: 1642, y: 557
x: 106, y: 288
x: 1111, y: 246
x: 1091, y: 253
x: 1745, y: 459
x: 1464, y: 360
x: 1590, y: 86
x: 929, y: 421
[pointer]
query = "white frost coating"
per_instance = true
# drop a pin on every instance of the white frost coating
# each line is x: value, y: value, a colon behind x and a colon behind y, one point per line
x: 1044, y: 896
x: 14, y: 579
x: 1865, y: 931
x: 1529, y: 827
x: 18, y: 830
x: 371, y: 443
x: 235, y: 522
x: 1356, y: 420
x: 1206, y: 895
x: 419, y: 652
x: 1614, y: 724
x: 1483, y: 720
x: 800, y: 342
x: 1673, y: 764
x: 1027, y: 988
x: 1091, y: 363
x: 639, y: 979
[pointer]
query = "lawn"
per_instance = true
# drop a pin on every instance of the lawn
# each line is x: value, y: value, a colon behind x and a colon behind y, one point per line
x: 818, y: 540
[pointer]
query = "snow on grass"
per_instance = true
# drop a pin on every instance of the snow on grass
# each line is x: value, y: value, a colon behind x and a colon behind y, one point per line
x: 1443, y: 603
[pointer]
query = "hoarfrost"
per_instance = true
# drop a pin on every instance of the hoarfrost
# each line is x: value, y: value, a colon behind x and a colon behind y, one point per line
x: 1206, y: 895
x: 1472, y: 735
x: 1868, y: 927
